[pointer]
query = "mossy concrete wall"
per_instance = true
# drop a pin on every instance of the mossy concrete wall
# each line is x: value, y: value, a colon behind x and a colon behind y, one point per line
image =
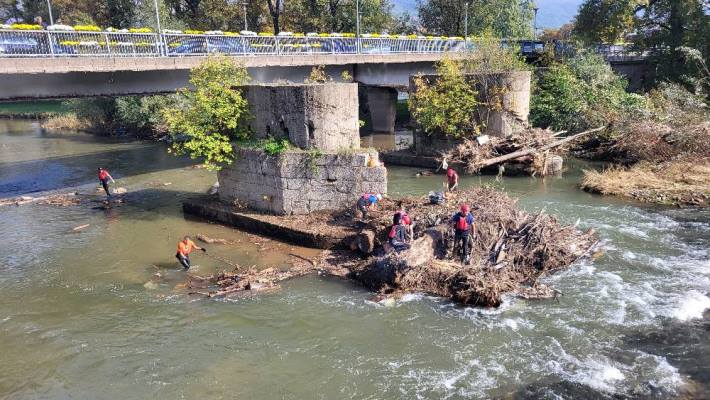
x: 311, y: 116
x: 299, y: 182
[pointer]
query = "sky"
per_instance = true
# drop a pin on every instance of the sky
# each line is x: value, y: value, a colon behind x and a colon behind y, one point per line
x: 552, y: 13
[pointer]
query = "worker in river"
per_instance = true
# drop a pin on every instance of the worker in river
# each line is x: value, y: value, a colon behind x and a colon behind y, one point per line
x: 104, y: 177
x: 464, y: 230
x: 184, y: 248
x: 366, y: 203
x: 402, y: 218
x: 452, y: 179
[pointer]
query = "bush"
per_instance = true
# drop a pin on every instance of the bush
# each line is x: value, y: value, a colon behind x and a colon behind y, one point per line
x: 212, y: 115
x: 143, y: 114
x: 581, y: 93
x: 97, y: 114
x: 447, y: 105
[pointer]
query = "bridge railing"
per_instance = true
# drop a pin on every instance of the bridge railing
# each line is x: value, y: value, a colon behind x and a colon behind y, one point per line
x: 14, y: 43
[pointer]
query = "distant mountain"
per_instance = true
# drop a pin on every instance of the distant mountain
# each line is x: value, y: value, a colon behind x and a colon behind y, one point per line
x: 552, y: 13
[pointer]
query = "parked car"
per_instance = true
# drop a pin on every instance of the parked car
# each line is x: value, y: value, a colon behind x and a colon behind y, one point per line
x: 31, y: 44
x: 208, y: 45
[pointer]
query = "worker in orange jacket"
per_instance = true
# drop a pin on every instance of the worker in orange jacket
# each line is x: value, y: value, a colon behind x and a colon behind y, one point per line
x: 184, y: 248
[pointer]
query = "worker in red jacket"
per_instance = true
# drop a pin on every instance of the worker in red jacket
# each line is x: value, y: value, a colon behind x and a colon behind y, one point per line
x: 464, y: 229
x: 452, y: 179
x: 104, y: 177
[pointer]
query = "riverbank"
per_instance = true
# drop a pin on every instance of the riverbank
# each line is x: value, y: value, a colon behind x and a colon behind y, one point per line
x: 681, y: 183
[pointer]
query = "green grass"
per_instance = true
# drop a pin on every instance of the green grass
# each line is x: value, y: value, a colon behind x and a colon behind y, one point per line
x: 33, y: 107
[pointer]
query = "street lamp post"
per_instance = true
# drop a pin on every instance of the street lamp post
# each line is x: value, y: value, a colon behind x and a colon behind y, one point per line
x: 357, y: 24
x: 160, y: 31
x: 465, y: 26
x: 49, y: 8
x: 244, y: 5
x: 535, y: 9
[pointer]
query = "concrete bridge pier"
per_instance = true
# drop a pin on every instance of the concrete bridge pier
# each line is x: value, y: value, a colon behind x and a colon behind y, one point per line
x: 382, y: 102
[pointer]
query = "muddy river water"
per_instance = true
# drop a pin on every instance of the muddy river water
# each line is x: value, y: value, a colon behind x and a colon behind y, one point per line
x: 79, y: 318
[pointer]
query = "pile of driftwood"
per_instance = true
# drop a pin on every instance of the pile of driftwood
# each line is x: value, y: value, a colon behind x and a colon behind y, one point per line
x: 530, y: 151
x: 512, y: 250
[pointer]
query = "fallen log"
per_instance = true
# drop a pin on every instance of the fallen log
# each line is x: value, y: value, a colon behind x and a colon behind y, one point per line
x: 533, y: 150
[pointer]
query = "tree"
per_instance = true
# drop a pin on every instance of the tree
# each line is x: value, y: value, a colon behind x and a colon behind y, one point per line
x: 213, y: 115
x: 275, y: 8
x: 502, y: 18
x: 661, y: 25
x: 448, y: 105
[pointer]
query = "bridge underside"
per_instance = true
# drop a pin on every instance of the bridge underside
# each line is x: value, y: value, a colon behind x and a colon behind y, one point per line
x: 85, y: 77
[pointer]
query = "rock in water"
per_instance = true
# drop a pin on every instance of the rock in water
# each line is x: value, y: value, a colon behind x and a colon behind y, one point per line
x: 150, y: 285
x: 214, y: 189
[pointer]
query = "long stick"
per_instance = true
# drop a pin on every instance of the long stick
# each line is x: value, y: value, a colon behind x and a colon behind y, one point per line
x: 522, y: 153
x: 231, y: 264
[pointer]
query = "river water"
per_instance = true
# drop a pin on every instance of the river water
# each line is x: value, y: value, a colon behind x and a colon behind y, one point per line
x: 83, y: 317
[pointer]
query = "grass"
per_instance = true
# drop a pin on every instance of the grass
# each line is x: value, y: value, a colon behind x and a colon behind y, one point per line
x: 680, y: 182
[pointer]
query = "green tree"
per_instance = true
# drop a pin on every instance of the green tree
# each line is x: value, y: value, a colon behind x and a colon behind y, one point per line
x: 502, y: 18
x: 661, y: 25
x: 584, y: 92
x: 447, y: 104
x: 213, y: 114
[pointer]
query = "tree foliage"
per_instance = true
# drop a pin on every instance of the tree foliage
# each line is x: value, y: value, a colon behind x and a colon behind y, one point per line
x: 582, y: 92
x: 661, y: 25
x: 213, y: 114
x: 447, y: 104
x: 502, y: 18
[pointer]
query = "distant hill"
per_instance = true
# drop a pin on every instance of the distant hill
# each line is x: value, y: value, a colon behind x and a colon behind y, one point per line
x: 552, y: 14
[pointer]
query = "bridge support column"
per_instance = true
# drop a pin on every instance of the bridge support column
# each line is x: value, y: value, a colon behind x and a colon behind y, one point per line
x: 382, y: 102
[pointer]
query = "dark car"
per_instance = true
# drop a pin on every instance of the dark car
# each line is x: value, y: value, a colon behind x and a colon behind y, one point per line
x: 31, y: 44
x: 208, y: 45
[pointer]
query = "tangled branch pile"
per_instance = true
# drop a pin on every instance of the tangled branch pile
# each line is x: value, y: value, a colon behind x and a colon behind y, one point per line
x: 513, y: 248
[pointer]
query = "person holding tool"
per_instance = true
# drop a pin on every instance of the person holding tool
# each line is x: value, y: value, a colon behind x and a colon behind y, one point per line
x: 184, y: 248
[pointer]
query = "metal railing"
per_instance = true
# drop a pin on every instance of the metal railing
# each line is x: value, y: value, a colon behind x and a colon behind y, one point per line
x: 15, y: 43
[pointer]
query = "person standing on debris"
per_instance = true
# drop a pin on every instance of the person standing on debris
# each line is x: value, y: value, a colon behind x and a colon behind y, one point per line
x: 104, y: 176
x: 184, y: 248
x: 463, y: 222
x: 452, y: 179
x: 367, y: 203
x: 402, y: 218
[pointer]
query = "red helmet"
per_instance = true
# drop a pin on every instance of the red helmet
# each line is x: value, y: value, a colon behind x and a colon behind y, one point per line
x: 450, y: 172
x: 465, y: 208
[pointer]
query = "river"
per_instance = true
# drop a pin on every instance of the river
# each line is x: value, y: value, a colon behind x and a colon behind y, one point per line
x: 78, y: 318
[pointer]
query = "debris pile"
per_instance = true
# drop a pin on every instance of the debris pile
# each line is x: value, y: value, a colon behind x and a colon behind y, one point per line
x: 512, y: 250
x: 529, y: 150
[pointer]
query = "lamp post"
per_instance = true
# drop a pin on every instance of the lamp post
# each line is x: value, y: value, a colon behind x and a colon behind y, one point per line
x: 465, y: 26
x: 159, y: 40
x: 49, y: 8
x: 244, y: 7
x: 357, y: 24
x: 535, y: 9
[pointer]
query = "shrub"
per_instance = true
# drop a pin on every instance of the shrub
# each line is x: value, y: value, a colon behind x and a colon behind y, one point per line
x: 212, y: 115
x: 142, y: 114
x: 581, y: 93
x: 318, y: 75
x: 98, y: 114
x: 447, y: 105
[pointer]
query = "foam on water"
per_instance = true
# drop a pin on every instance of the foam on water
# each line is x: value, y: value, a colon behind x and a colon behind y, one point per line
x: 691, y: 306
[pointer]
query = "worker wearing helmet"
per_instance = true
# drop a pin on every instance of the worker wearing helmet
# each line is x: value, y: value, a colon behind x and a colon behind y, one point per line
x: 463, y: 224
x: 366, y: 203
x: 452, y: 179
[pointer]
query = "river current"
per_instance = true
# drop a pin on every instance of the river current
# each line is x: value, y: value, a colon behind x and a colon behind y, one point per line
x: 83, y: 317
